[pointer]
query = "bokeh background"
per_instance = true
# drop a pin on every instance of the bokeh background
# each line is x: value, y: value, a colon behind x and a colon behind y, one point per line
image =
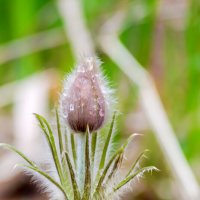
x: 36, y: 53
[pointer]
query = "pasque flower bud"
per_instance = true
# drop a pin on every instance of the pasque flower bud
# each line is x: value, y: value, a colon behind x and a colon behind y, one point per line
x: 83, y: 100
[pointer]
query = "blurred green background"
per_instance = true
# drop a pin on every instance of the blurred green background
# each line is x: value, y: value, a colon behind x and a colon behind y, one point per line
x: 164, y: 36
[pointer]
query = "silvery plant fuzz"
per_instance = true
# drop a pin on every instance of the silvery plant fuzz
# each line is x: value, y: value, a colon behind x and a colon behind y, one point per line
x: 85, y: 98
x: 84, y: 163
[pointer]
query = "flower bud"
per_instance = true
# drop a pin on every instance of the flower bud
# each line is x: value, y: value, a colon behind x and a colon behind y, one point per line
x: 83, y: 100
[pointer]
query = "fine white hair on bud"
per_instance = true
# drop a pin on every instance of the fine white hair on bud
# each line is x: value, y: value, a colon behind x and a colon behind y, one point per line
x: 85, y: 97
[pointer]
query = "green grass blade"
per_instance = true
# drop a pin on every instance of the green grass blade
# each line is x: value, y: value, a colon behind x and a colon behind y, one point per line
x: 73, y: 178
x: 87, y: 185
x: 11, y: 148
x: 73, y: 148
x: 47, y: 177
x: 108, y: 139
x: 132, y: 176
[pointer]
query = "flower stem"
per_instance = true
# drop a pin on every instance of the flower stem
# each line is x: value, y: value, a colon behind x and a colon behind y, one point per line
x: 87, y: 185
x: 80, y: 160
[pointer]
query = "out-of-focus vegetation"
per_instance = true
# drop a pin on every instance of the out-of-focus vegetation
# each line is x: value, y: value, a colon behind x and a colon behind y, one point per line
x: 162, y: 35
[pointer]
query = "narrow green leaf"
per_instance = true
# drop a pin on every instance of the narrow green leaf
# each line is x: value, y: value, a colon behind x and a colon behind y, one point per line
x: 114, y: 157
x: 47, y: 177
x: 66, y: 142
x: 87, y: 185
x: 136, y: 162
x: 131, y: 137
x: 59, y: 133
x: 66, y: 182
x: 103, y: 175
x: 104, y: 153
x: 115, y: 167
x: 43, y: 128
x: 50, y: 138
x: 132, y: 176
x: 73, y: 178
x: 7, y: 146
x: 73, y: 148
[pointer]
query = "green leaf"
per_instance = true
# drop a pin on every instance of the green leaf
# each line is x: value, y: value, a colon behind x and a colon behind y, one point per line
x: 51, y: 141
x: 73, y: 148
x: 115, y: 167
x: 131, y: 137
x: 132, y: 176
x: 87, y: 185
x: 118, y: 154
x: 59, y: 133
x: 66, y: 182
x: 104, y: 153
x: 103, y: 175
x: 66, y: 142
x: 7, y: 146
x: 47, y: 177
x: 73, y: 178
x: 136, y: 162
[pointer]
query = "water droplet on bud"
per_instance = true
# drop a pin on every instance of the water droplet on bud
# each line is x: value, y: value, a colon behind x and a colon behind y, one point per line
x: 65, y: 116
x: 71, y: 107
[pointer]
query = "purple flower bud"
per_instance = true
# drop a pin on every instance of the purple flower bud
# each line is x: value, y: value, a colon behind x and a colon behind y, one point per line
x: 83, y: 100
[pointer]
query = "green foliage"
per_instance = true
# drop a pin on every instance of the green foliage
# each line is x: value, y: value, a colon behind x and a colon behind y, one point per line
x: 95, y: 185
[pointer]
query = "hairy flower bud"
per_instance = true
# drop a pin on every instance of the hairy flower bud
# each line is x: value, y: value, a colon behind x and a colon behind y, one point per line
x: 83, y: 100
